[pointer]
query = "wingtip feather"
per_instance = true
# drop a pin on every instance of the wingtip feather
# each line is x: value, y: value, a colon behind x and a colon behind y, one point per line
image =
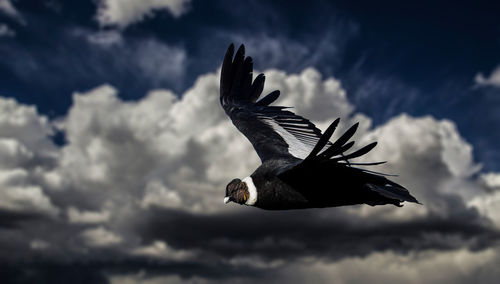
x: 324, y: 139
x: 269, y: 99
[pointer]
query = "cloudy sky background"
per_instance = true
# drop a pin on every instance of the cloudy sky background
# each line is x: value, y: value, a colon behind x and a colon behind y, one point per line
x: 115, y: 152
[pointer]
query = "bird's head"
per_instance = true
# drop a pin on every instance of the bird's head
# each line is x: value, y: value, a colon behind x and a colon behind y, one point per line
x: 237, y: 191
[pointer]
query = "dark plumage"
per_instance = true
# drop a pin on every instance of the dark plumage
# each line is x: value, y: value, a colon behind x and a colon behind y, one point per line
x: 300, y: 167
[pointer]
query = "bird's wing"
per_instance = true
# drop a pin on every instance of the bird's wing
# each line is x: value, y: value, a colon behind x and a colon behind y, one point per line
x: 274, y: 131
x: 335, y: 160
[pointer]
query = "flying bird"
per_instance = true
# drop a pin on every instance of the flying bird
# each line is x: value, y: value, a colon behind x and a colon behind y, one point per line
x: 300, y: 168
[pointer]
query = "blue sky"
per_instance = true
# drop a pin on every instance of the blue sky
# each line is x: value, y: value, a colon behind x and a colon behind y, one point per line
x: 115, y: 152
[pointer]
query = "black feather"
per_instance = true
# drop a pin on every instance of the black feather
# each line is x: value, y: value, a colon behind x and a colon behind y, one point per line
x: 333, y: 151
x: 240, y: 66
x: 344, y: 138
x: 257, y: 87
x: 247, y: 79
x: 226, y: 77
x: 358, y: 153
x: 269, y: 99
x: 393, y: 191
x: 324, y: 139
x: 366, y: 164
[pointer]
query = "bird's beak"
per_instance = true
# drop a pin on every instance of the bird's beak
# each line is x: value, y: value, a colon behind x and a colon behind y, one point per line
x: 226, y: 200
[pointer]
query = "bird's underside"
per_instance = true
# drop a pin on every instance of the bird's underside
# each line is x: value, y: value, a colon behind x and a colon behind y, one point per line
x: 300, y: 168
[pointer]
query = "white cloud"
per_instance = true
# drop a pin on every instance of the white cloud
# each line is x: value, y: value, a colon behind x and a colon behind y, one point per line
x: 421, y: 142
x: 493, y: 80
x: 488, y: 205
x: 154, y: 61
x: 160, y: 61
x: 490, y: 180
x: 25, y: 124
x: 428, y: 266
x: 159, y: 249
x: 7, y: 8
x: 39, y: 245
x: 26, y: 152
x: 123, y: 147
x: 157, y: 194
x: 5, y: 31
x: 255, y: 262
x: 13, y: 153
x: 310, y: 95
x: 87, y: 217
x: 100, y: 237
x: 102, y: 38
x: 430, y: 159
x: 122, y: 13
x: 180, y: 153
x: 18, y: 195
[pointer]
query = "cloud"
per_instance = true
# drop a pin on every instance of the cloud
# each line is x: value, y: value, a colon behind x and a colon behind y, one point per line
x: 25, y: 148
x: 87, y: 217
x: 5, y: 31
x: 102, y: 38
x: 489, y: 201
x: 100, y: 237
x: 428, y: 266
x: 493, y: 80
x: 490, y: 180
x: 139, y: 62
x: 487, y: 205
x: 39, y: 245
x: 19, y: 196
x: 144, y: 181
x: 161, y: 250
x: 124, y: 13
x: 25, y: 125
x: 272, y: 50
x: 8, y: 9
x: 156, y: 194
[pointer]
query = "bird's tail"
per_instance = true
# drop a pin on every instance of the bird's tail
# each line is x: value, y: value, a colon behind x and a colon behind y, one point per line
x: 335, y: 155
x: 390, y: 190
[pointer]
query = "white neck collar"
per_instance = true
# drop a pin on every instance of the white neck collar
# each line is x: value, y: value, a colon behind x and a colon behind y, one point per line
x: 252, y: 190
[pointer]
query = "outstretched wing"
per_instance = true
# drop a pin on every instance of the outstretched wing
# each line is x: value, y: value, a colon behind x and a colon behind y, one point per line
x: 334, y: 162
x: 273, y: 131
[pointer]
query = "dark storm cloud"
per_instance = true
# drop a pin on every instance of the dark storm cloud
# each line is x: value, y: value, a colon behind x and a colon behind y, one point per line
x: 9, y: 219
x: 284, y: 236
x: 99, y: 271
x: 331, y: 234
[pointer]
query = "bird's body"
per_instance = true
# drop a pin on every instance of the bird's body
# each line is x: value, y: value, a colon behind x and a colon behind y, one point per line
x: 317, y: 187
x: 300, y: 167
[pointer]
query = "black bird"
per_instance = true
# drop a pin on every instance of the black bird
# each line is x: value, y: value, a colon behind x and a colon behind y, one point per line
x: 300, y: 167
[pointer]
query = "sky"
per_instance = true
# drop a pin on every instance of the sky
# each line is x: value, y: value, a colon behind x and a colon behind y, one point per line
x: 115, y: 151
